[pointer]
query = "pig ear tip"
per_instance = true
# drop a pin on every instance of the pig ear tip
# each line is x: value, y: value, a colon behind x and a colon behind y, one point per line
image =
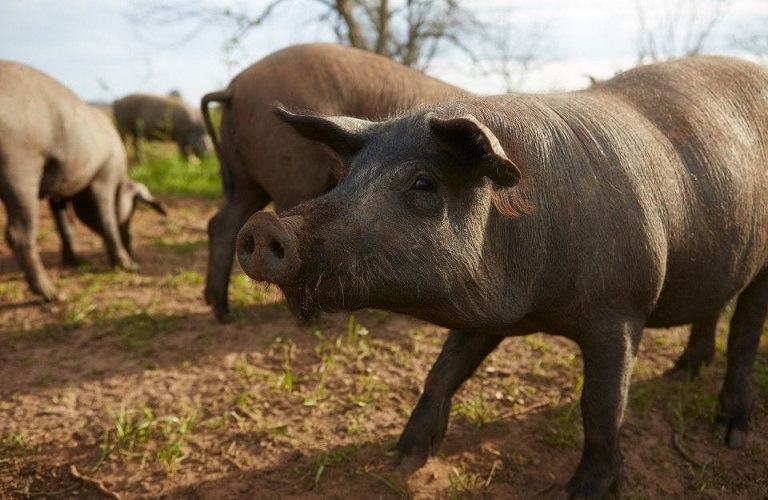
x: 279, y: 109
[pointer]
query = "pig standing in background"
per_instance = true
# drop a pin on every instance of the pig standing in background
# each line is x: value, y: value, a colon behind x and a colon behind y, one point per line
x: 262, y: 160
x: 160, y: 118
x: 641, y: 201
x: 55, y: 146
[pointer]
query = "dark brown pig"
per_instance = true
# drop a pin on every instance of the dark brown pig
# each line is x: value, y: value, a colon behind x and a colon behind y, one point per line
x: 161, y: 118
x: 262, y: 160
x: 641, y: 201
x: 53, y: 145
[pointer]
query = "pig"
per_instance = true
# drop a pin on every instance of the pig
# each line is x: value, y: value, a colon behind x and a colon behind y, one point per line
x: 262, y: 160
x: 161, y: 118
x: 590, y: 214
x: 55, y: 146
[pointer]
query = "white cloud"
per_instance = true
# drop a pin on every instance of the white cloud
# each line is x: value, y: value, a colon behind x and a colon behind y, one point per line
x: 90, y: 44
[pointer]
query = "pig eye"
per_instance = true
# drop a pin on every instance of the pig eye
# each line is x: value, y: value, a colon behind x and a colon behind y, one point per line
x: 424, y: 184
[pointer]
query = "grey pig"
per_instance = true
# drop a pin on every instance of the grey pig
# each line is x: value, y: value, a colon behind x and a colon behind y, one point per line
x: 55, y: 146
x: 641, y: 201
x: 161, y: 118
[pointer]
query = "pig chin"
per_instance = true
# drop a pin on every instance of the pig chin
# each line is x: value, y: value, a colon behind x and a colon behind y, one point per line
x: 308, y: 303
x: 348, y: 292
x: 347, y: 288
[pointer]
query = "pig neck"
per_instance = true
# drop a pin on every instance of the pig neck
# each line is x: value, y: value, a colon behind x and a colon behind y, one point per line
x: 590, y: 237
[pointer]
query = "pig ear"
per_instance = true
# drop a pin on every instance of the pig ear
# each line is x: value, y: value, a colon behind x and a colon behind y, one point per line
x: 472, y: 143
x: 344, y: 135
x: 141, y: 193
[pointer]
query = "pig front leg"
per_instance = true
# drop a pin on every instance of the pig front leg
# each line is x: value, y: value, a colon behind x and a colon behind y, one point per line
x: 609, y: 353
x: 461, y: 355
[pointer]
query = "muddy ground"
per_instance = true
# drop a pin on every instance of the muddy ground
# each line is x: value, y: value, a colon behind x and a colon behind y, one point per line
x: 130, y: 389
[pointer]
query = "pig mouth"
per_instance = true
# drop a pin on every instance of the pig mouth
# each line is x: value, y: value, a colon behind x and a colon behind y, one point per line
x: 308, y: 297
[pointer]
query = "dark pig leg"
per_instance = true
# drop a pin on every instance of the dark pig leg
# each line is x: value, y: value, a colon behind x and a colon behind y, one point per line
x: 222, y: 234
x: 700, y: 350
x: 64, y: 228
x: 736, y: 397
x: 461, y: 355
x: 608, y: 356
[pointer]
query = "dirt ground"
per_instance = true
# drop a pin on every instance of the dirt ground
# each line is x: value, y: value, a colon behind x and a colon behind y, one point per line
x: 131, y: 389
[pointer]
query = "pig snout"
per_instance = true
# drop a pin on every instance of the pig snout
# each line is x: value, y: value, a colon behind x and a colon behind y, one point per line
x: 267, y: 248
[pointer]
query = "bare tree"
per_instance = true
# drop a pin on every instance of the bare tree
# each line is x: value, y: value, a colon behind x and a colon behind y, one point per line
x: 676, y: 28
x: 409, y: 31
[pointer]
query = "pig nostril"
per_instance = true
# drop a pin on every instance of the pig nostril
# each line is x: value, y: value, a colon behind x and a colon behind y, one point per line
x: 277, y: 249
x: 247, y: 244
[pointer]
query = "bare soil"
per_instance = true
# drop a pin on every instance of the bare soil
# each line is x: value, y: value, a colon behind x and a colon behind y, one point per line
x: 131, y: 389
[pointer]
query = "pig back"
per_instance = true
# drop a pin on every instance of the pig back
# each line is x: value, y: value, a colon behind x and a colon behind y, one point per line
x: 42, y: 120
x: 324, y: 78
x: 653, y: 183
x: 155, y: 117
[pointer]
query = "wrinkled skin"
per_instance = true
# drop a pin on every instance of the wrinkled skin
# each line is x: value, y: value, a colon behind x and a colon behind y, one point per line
x: 53, y: 145
x: 641, y: 201
x: 161, y: 118
x: 262, y: 160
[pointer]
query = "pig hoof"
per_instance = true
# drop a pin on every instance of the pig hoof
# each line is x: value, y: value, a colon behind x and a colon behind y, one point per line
x: 684, y: 370
x: 224, y: 317
x: 732, y: 425
x: 48, y: 292
x: 678, y: 374
x: 735, y: 438
x: 131, y: 267
x: 54, y: 296
x: 408, y: 464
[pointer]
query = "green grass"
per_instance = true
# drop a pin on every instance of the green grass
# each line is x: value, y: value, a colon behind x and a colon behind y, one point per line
x: 165, y: 173
x: 323, y: 460
x: 472, y: 406
x: 141, y: 433
x: 13, y: 444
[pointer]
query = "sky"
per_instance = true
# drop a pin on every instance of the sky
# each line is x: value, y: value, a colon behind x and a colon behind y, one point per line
x: 94, y: 48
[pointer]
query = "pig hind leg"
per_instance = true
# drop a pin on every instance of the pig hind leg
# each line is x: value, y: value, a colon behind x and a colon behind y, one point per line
x: 461, y: 355
x: 22, y: 206
x: 101, y: 216
x: 736, y: 396
x: 64, y: 227
x: 222, y: 234
x: 699, y: 351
